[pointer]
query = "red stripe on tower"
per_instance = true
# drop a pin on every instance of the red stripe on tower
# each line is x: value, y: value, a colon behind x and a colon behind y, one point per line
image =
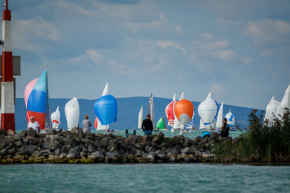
x: 7, y: 85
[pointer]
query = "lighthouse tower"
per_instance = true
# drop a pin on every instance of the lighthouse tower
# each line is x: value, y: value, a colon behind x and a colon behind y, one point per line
x: 7, y: 85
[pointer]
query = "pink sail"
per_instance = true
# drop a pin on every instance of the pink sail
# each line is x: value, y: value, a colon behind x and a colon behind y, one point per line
x: 28, y: 90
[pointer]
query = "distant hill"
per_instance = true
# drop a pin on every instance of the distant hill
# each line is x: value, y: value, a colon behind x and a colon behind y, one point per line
x: 128, y: 109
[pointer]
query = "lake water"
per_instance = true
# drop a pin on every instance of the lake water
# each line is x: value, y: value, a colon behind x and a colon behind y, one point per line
x: 194, y: 177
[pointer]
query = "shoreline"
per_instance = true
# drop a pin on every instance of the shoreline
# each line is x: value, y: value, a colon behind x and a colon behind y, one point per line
x: 77, y: 147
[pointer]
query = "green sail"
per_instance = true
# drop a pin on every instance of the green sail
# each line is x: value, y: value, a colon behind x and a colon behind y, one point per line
x: 161, y: 123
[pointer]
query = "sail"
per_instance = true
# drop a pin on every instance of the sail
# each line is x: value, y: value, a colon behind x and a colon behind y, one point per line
x: 176, y: 124
x: 161, y: 123
x: 271, y: 109
x: 192, y: 122
x: 231, y: 118
x: 106, y: 109
x: 220, y: 116
x: 47, y: 113
x: 169, y: 111
x: 285, y: 103
x: 140, y: 118
x: 201, y: 125
x: 35, y: 99
x: 207, y: 110
x: 183, y: 110
x: 151, y: 109
x: 181, y: 96
x: 56, y: 118
x: 72, y: 113
x: 99, y: 124
x: 96, y: 123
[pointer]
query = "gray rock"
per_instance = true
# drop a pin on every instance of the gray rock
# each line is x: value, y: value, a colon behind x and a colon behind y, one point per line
x: 83, y: 154
x: 71, y: 156
x: 47, y: 138
x: 62, y: 155
x: 57, y: 151
x: 91, y: 148
x: 35, y: 153
x: 137, y: 145
x: 161, y: 135
x: 3, y: 131
x: 73, y: 151
x: 133, y: 137
x: 187, y: 151
x: 123, y: 145
x: 160, y: 154
x: 30, y: 149
x: 113, y: 153
x: 18, y: 143
x: 45, y: 146
x: 85, y: 140
x: 11, y: 151
x: 16, y: 137
x: 26, y: 139
x: 31, y: 132
x: 147, y: 149
x: 23, y: 133
x: 51, y: 132
x: 78, y: 132
x: 97, y: 154
x: 4, y: 151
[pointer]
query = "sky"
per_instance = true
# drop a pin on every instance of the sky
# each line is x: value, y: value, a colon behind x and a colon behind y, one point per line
x: 238, y: 50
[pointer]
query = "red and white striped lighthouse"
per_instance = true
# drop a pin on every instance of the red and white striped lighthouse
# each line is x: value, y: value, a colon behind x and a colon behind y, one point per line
x: 7, y: 85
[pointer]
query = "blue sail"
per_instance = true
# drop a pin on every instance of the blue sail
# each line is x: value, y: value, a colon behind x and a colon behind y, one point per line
x: 106, y: 109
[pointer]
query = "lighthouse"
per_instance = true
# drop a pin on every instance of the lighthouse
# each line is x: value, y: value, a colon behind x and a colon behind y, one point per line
x: 7, y: 84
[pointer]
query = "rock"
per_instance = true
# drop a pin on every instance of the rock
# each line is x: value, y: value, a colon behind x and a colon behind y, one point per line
x: 104, y: 141
x: 19, y: 157
x: 30, y: 149
x: 57, y: 151
x: 101, y: 135
x: 137, y: 145
x: 26, y: 140
x: 111, y: 154
x: 85, y: 140
x: 71, y: 156
x: 91, y: 148
x: 51, y: 132
x: 3, y: 131
x: 147, y: 149
x: 31, y: 132
x: 133, y: 137
x: 62, y: 155
x: 151, y: 157
x: 187, y: 151
x: 73, y: 151
x: 11, y: 151
x: 23, y: 133
x: 18, y: 143
x: 148, y: 137
x: 160, y: 154
x: 45, y: 146
x: 78, y: 132
x: 16, y: 137
x: 156, y: 139
x: 35, y: 153
x: 161, y: 135
x: 83, y: 154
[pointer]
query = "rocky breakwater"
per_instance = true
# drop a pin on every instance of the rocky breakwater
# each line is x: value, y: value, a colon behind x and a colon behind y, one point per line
x: 77, y: 147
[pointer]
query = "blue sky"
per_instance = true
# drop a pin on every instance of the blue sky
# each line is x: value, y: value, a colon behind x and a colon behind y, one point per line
x: 238, y: 50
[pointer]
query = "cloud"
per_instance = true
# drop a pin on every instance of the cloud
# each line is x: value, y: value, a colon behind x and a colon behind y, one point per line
x: 268, y: 32
x: 225, y: 55
x: 246, y: 60
x: 218, y: 91
x: 166, y: 44
x: 206, y: 36
x: 30, y: 34
x: 178, y: 29
x: 280, y: 50
x: 95, y: 56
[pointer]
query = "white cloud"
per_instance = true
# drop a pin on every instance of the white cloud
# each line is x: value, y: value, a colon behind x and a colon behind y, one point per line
x: 246, y: 60
x: 166, y: 44
x: 178, y: 29
x: 280, y: 50
x: 218, y: 92
x: 225, y: 55
x: 214, y: 45
x: 206, y: 36
x: 95, y: 56
x: 28, y: 34
x: 268, y: 31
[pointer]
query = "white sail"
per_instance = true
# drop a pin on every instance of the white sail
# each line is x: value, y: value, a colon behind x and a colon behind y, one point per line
x: 285, y: 103
x: 271, y: 109
x: 174, y: 97
x: 47, y: 113
x: 56, y: 118
x: 181, y: 96
x: 201, y: 125
x: 220, y: 116
x: 231, y: 118
x: 192, y: 122
x: 140, y: 118
x: 151, y: 109
x: 99, y: 125
x: 207, y: 110
x: 72, y: 113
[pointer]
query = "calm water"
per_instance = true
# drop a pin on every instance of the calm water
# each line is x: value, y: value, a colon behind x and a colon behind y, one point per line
x: 195, y: 177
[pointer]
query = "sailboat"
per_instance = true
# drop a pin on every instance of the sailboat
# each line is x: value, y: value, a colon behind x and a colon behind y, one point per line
x: 140, y: 118
x: 72, y: 113
x: 161, y: 124
x: 271, y: 110
x: 220, y: 116
x: 36, y: 101
x: 169, y: 111
x: 56, y: 118
x: 106, y: 110
x: 98, y: 124
x: 230, y: 120
x: 151, y: 111
x: 207, y: 111
x: 285, y: 103
x: 177, y: 125
x: 190, y: 126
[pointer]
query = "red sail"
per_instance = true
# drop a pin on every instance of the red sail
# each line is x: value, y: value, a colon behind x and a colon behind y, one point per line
x: 169, y: 111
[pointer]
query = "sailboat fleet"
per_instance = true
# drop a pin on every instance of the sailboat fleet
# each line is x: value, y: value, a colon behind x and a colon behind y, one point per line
x: 178, y: 113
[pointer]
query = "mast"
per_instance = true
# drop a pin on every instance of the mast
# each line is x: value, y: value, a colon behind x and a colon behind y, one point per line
x: 47, y: 113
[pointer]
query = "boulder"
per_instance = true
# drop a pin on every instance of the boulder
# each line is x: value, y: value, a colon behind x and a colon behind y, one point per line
x: 26, y: 139
x: 187, y: 151
x: 57, y: 151
x: 3, y: 131
x: 133, y: 137
x: 71, y: 156
x: 62, y: 155
x: 51, y: 132
x: 77, y: 131
x: 35, y: 153
x: 3, y: 151
x: 160, y: 154
x: 11, y: 151
x: 31, y: 132
x: 85, y: 140
x: 18, y: 143
x: 30, y: 149
x: 156, y: 139
x: 16, y: 137
x: 45, y: 146
x: 161, y: 135
x: 111, y: 154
